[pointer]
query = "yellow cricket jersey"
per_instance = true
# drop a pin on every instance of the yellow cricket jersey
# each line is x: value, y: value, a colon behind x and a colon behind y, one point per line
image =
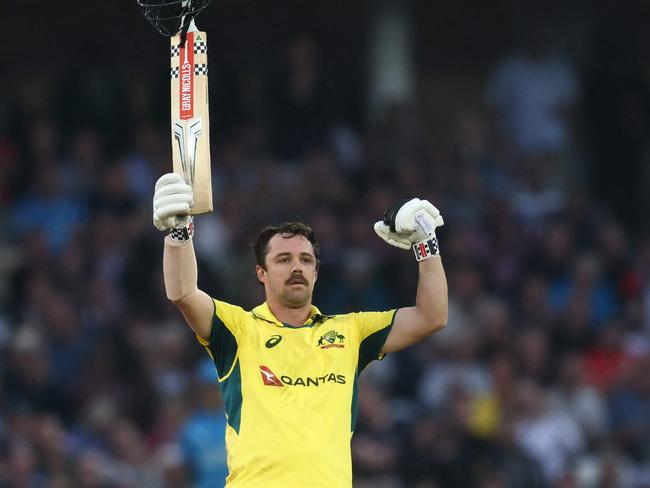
x: 290, y: 393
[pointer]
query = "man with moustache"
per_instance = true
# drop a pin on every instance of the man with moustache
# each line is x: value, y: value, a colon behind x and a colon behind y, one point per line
x: 288, y: 372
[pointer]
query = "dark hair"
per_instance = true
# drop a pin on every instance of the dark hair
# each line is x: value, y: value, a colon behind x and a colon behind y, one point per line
x: 260, y: 245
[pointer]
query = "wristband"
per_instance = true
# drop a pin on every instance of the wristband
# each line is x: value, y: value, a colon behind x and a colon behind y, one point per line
x: 426, y: 249
x: 183, y: 233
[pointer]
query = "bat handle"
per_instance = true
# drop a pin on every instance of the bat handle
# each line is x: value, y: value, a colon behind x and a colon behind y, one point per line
x: 191, y: 26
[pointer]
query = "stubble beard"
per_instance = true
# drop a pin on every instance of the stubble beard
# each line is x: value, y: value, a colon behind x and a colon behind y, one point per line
x: 295, y: 298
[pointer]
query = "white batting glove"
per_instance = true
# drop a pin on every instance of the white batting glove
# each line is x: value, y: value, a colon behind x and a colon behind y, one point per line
x: 411, y: 223
x: 172, y: 200
x: 393, y: 238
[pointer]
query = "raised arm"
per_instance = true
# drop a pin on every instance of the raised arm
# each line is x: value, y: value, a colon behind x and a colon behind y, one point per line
x: 171, y: 205
x: 412, y: 224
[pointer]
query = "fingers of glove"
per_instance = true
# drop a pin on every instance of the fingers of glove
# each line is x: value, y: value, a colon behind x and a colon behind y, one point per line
x: 159, y: 224
x: 382, y: 230
x: 168, y: 179
x: 172, y: 210
x: 404, y: 221
x: 391, y: 238
x: 171, y: 222
x: 161, y: 202
x: 428, y: 207
x: 173, y: 188
x: 166, y: 223
x: 433, y: 212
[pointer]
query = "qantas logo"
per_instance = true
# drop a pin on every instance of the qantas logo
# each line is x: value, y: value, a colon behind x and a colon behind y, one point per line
x: 270, y: 379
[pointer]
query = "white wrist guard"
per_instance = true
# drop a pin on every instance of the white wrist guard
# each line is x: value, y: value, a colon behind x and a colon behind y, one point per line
x: 426, y: 249
x: 184, y: 232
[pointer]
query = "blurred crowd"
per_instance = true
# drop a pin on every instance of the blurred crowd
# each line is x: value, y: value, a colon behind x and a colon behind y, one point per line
x: 540, y: 378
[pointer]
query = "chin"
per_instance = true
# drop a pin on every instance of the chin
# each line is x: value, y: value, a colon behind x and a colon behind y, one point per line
x: 296, y: 300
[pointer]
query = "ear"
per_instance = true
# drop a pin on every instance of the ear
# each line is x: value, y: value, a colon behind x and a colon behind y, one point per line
x: 261, y: 273
x: 315, y: 276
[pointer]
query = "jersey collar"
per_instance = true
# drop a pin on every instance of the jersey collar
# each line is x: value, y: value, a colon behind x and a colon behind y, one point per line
x: 264, y: 312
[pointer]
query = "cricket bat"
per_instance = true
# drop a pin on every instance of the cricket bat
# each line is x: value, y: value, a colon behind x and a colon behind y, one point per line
x: 190, y: 120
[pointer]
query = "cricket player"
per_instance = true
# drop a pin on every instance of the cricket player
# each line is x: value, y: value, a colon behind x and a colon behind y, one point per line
x: 288, y: 372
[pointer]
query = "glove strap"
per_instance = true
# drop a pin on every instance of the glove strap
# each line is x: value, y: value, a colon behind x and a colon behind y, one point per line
x: 183, y: 233
x: 426, y: 249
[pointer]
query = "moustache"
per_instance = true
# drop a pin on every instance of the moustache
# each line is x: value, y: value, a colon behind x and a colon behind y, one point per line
x: 297, y: 279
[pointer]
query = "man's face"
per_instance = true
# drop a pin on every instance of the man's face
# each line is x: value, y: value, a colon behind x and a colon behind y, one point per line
x: 290, y: 272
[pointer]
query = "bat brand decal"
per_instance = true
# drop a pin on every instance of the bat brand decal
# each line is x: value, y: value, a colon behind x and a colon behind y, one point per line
x: 186, y: 91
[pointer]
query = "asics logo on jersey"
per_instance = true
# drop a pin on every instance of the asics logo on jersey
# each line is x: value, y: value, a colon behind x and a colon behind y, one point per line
x: 330, y: 338
x: 273, y: 341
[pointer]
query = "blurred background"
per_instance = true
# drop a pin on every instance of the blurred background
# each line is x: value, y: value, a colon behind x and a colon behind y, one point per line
x: 526, y: 123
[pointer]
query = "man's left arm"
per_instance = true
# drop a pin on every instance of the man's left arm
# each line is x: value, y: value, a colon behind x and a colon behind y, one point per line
x: 412, y: 224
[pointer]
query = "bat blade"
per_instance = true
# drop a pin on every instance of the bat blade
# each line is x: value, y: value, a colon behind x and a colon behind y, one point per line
x: 190, y: 117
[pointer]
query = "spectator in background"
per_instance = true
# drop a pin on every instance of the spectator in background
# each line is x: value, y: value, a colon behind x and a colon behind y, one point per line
x: 580, y: 400
x: 29, y: 386
x: 45, y: 209
x: 537, y: 195
x: 490, y: 409
x: 133, y: 464
x: 547, y: 434
x: 202, y: 437
x: 376, y: 444
x: 605, y: 360
x: 533, y: 354
x: 301, y: 106
x: 459, y: 368
x: 515, y: 466
x: 629, y: 407
x: 586, y: 282
x: 535, y: 91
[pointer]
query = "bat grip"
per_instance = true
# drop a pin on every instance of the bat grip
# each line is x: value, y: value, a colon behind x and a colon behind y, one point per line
x: 190, y: 27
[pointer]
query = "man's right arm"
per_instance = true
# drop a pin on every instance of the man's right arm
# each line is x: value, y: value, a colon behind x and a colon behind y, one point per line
x: 171, y: 205
x: 180, y: 273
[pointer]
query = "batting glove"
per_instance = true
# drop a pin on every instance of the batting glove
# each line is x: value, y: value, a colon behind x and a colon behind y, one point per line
x: 172, y: 200
x: 411, y: 224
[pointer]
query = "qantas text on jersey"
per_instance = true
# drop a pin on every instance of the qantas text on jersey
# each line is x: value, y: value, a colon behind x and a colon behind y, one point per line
x: 271, y: 379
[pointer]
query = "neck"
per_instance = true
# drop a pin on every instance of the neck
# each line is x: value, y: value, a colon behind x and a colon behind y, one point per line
x: 291, y: 316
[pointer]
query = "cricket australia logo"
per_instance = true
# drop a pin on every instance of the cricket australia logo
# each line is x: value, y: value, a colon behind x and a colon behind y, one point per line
x: 330, y: 338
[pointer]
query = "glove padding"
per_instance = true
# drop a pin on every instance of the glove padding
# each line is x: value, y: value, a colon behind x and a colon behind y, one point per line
x: 172, y: 200
x: 409, y: 221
